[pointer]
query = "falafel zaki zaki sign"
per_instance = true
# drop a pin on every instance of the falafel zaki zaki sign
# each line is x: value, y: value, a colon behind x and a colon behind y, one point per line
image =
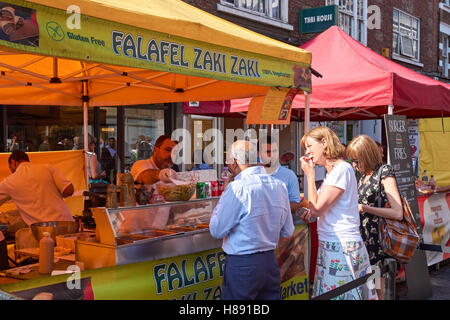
x: 104, y: 41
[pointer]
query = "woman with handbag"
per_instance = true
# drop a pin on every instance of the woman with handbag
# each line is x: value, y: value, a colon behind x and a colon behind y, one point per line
x: 342, y: 256
x: 376, y: 187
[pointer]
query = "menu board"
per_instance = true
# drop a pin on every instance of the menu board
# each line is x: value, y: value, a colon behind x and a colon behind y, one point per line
x: 273, y: 108
x: 399, y: 157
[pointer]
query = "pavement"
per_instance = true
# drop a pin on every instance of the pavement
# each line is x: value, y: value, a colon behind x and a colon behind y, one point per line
x: 440, y: 283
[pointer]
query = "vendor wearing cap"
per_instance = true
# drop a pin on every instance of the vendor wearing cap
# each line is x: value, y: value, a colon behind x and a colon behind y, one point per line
x: 269, y: 155
x: 38, y: 191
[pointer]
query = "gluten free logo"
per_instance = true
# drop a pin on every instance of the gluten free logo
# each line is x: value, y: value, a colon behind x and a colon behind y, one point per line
x: 55, y: 31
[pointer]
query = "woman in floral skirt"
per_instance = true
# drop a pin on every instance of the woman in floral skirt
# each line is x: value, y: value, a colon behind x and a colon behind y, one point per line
x: 342, y: 256
x: 365, y: 155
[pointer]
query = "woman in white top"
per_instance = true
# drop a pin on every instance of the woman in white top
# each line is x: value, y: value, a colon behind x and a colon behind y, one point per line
x: 342, y: 256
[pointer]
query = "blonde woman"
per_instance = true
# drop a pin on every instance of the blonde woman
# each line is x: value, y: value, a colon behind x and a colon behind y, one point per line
x: 342, y: 256
x: 366, y: 157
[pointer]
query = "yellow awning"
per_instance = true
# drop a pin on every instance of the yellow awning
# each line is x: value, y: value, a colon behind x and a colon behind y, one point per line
x: 139, y: 52
x: 178, y: 18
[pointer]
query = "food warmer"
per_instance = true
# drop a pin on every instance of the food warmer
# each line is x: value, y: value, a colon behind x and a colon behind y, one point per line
x: 147, y: 232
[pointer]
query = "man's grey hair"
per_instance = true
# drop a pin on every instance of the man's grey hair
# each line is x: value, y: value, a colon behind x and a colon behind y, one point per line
x: 244, y: 151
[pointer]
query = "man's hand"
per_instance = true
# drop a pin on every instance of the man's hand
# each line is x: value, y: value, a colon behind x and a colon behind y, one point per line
x: 149, y: 176
x: 165, y: 175
x: 229, y: 179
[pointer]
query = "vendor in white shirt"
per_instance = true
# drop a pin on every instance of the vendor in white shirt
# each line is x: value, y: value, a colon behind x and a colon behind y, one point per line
x: 150, y: 171
x: 269, y: 155
x: 37, y: 190
x: 159, y: 166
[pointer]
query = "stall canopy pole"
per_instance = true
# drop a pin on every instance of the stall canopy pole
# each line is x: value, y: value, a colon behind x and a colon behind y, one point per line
x: 307, y: 126
x: 307, y: 112
x: 390, y: 109
x: 85, y: 99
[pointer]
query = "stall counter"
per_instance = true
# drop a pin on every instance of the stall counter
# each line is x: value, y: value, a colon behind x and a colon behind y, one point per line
x: 139, y: 264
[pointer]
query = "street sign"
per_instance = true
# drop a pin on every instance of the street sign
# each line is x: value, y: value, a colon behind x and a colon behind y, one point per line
x: 318, y: 19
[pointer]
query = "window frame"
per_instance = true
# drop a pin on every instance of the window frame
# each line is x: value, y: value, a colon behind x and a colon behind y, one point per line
x: 358, y: 27
x: 402, y: 54
x: 236, y: 8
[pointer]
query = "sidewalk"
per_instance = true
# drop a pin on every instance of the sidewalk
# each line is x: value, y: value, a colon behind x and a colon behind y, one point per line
x: 440, y: 283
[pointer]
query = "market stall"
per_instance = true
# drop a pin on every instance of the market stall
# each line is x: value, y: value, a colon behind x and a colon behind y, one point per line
x: 358, y: 84
x: 135, y: 52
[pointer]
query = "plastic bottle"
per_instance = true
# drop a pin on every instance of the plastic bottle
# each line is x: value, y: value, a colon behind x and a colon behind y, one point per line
x: 425, y: 177
x: 432, y: 182
x: 225, y: 174
x: 46, y: 247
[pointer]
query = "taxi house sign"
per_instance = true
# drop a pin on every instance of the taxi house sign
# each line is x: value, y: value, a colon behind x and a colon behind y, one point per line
x: 318, y: 19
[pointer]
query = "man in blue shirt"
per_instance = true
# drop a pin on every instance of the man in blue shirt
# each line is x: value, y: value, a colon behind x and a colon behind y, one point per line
x: 251, y: 216
x: 269, y: 154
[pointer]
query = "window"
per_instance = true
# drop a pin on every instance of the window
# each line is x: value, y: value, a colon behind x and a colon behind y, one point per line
x: 405, y: 43
x: 273, y: 12
x: 352, y: 18
x: 445, y: 56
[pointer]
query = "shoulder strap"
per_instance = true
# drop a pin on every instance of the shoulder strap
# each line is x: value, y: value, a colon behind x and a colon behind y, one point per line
x: 379, y: 183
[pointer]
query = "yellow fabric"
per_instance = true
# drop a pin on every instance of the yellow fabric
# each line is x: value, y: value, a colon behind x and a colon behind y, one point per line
x: 26, y: 77
x: 178, y: 18
x: 435, y: 149
x: 70, y: 163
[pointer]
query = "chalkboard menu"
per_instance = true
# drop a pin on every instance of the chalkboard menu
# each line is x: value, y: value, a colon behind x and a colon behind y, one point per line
x: 399, y: 157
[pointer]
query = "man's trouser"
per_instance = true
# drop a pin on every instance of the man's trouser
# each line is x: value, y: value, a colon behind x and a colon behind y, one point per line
x: 251, y: 276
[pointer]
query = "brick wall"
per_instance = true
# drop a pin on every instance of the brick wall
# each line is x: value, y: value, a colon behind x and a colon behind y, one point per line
x: 427, y: 11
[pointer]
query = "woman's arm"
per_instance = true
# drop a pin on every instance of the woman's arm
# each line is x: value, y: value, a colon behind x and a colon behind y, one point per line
x: 94, y: 166
x: 318, y: 204
x: 395, y: 212
x: 328, y: 196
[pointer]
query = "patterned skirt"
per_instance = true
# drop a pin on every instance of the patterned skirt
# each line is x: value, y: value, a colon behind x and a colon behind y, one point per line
x: 339, y: 263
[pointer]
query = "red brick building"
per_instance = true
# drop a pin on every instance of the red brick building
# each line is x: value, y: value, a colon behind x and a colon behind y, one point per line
x: 410, y: 32
x: 444, y: 43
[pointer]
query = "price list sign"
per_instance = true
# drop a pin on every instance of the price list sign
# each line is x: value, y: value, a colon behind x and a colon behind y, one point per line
x: 399, y: 157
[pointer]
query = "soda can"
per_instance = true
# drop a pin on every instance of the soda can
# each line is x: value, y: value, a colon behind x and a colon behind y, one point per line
x: 208, y: 189
x: 201, y: 190
x: 214, y: 189
x: 221, y: 185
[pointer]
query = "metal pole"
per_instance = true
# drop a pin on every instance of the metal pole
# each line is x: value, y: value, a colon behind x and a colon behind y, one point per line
x: 307, y: 126
x: 85, y: 128
x: 390, y: 109
x: 307, y: 112
x: 389, y: 283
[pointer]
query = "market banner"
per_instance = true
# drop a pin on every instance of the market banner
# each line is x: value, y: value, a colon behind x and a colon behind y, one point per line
x: 293, y: 258
x: 196, y: 276
x: 273, y: 108
x: 436, y: 229
x: 43, y: 30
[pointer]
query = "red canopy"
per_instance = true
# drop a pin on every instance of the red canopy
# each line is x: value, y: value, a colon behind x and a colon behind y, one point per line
x: 358, y: 83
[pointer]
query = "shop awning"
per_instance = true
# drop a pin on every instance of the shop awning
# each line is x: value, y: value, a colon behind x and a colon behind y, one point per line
x: 358, y: 83
x: 134, y: 52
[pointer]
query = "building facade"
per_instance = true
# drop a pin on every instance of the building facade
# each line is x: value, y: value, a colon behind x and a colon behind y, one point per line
x: 410, y: 32
x: 444, y: 36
